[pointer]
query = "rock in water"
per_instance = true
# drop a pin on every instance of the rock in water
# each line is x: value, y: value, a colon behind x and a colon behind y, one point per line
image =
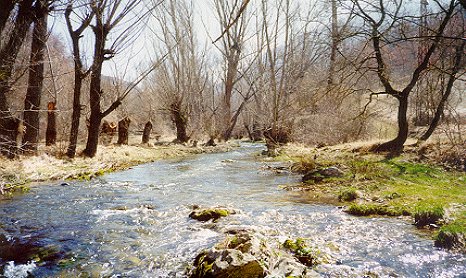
x: 213, y: 214
x: 331, y: 172
x: 228, y: 263
x: 320, y: 175
x: 248, y: 254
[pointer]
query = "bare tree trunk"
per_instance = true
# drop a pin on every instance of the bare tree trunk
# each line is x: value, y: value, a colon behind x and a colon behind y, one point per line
x: 8, y: 53
x: 256, y: 131
x: 234, y: 119
x: 181, y: 123
x: 36, y: 78
x: 79, y: 75
x: 51, y: 133
x: 123, y: 131
x: 396, y: 145
x: 451, y: 80
x: 95, y: 90
x: 232, y: 65
x: 334, y: 46
x: 76, y: 115
x: 146, y: 132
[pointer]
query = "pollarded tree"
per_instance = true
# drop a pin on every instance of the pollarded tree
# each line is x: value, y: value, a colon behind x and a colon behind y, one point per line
x: 80, y: 72
x: 233, y: 21
x: 382, y: 21
x: 36, y: 76
x: 115, y: 24
x: 179, y: 82
x: 15, y: 19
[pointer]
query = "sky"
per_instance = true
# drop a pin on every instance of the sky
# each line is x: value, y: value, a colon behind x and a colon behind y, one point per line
x: 137, y: 56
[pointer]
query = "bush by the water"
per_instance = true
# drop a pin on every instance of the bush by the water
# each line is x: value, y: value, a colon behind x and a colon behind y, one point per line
x: 426, y: 215
x: 347, y: 195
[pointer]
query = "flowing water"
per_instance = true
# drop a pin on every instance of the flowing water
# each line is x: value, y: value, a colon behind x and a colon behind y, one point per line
x: 135, y: 223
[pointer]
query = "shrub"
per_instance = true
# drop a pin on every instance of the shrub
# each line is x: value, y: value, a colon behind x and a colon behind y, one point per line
x: 451, y: 236
x: 425, y: 215
x: 304, y: 164
x: 348, y: 195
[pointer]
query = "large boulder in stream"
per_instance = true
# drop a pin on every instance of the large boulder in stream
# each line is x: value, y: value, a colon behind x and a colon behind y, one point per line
x: 227, y: 263
x: 249, y: 254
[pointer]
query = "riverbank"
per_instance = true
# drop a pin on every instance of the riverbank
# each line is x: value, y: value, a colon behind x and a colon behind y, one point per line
x: 52, y: 165
x: 414, y: 184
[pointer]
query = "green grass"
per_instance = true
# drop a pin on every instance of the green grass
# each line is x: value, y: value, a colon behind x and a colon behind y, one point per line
x: 452, y: 236
x: 391, y: 187
x: 419, y: 189
x: 348, y: 194
x: 375, y: 209
x: 425, y: 215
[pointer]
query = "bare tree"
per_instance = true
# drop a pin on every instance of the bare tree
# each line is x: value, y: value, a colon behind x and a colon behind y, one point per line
x: 334, y: 45
x: 447, y: 68
x: 21, y: 15
x: 108, y: 17
x: 233, y: 21
x: 36, y: 77
x: 279, y: 67
x: 179, y: 82
x: 80, y: 72
x: 381, y: 19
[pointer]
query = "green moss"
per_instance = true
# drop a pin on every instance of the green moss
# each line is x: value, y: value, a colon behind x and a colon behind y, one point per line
x: 347, y: 195
x: 209, y: 214
x: 306, y: 255
x: 428, y: 214
x: 375, y: 209
x: 202, y: 266
x: 89, y: 175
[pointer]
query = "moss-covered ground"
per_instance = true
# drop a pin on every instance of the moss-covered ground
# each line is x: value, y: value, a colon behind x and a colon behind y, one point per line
x: 376, y: 185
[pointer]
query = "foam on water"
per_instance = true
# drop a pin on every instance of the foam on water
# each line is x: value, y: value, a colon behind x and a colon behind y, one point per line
x: 18, y: 271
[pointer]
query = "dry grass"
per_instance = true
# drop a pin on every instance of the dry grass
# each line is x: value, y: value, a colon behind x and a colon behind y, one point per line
x: 50, y: 164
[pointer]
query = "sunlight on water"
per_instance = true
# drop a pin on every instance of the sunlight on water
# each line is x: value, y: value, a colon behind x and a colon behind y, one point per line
x: 135, y: 223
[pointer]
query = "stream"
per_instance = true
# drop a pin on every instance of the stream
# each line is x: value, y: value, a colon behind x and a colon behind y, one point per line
x: 135, y: 223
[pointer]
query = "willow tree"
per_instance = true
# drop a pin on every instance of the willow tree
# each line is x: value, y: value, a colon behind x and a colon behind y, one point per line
x: 115, y: 24
x: 382, y: 22
x: 82, y: 12
x: 15, y: 19
x: 35, y: 77
x: 178, y: 83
